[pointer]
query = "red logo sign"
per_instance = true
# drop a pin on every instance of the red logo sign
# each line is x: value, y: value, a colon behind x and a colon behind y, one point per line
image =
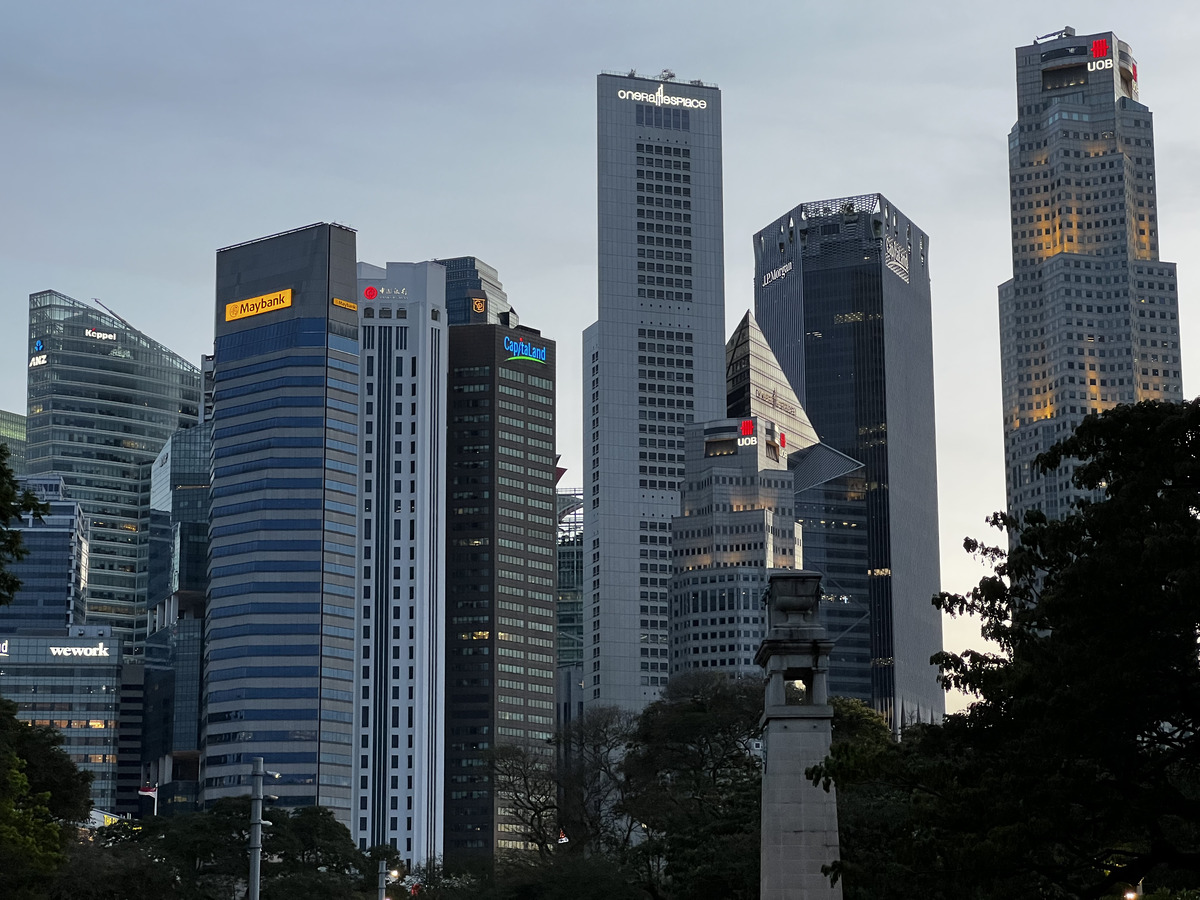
x: 1135, y: 71
x: 1100, y: 49
x: 370, y: 293
x: 782, y: 440
x: 747, y: 427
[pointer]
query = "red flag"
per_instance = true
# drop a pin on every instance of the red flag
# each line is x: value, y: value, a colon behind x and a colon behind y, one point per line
x: 149, y: 791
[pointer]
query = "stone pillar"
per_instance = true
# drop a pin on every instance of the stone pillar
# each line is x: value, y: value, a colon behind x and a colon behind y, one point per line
x: 799, y: 820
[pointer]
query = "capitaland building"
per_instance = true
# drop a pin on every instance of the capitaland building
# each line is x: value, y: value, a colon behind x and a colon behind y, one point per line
x: 652, y: 362
x: 103, y: 399
x: 501, y: 570
x: 1090, y: 317
x: 280, y: 639
x: 400, y: 721
x: 842, y: 295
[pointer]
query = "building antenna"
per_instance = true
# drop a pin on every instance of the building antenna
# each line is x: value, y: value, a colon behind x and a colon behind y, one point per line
x: 1065, y: 31
x: 114, y: 315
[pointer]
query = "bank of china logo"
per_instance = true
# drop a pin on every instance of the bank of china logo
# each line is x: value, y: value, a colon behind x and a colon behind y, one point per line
x: 38, y: 346
x: 1100, y: 48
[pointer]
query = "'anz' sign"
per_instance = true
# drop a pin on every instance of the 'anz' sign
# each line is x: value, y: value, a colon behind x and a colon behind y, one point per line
x: 895, y: 256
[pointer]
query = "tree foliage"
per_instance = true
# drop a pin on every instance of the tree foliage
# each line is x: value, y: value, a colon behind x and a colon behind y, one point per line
x: 14, y: 503
x: 1077, y: 770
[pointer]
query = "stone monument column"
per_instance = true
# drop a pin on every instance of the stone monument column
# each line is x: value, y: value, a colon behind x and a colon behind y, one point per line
x: 799, y: 820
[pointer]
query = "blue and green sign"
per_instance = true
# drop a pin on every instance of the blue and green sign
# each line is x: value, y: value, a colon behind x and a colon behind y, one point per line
x: 524, y: 350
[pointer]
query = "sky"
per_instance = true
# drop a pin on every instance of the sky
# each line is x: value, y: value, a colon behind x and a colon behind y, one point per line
x: 136, y: 138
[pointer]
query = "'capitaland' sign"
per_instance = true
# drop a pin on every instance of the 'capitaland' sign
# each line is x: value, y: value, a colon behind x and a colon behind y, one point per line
x: 658, y: 98
x: 524, y: 350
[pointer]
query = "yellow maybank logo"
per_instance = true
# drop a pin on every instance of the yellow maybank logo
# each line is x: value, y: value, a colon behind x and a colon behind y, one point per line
x: 344, y: 304
x: 255, y: 305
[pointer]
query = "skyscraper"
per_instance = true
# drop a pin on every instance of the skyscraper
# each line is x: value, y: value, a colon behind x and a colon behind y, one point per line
x: 400, y: 719
x: 737, y: 518
x: 1090, y: 317
x: 653, y: 361
x: 501, y: 571
x: 842, y: 295
x: 103, y: 399
x: 12, y: 433
x: 280, y: 640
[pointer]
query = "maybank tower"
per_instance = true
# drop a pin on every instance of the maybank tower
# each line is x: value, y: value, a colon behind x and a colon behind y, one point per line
x: 653, y: 362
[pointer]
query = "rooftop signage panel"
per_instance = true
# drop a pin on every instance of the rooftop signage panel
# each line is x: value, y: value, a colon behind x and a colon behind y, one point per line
x: 254, y: 306
x: 659, y: 98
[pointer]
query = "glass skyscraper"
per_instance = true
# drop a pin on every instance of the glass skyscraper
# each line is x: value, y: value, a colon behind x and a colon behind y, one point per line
x: 1090, y: 317
x: 279, y: 628
x: 501, y: 572
x: 653, y: 362
x: 12, y: 433
x: 842, y: 296
x: 103, y: 399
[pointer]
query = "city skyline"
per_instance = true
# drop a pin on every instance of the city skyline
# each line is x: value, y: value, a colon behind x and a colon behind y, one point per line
x: 141, y: 235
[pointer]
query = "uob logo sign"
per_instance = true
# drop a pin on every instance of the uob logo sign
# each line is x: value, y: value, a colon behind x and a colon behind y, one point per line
x: 1100, y: 59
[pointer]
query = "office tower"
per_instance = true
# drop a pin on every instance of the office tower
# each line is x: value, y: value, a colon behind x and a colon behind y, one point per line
x: 568, y: 605
x: 400, y: 721
x: 179, y: 507
x: 12, y: 433
x: 103, y: 398
x: 500, y: 573
x: 653, y: 362
x: 841, y: 292
x: 279, y: 629
x: 71, y: 681
x: 53, y: 572
x: 474, y: 293
x: 1090, y: 317
x: 737, y: 520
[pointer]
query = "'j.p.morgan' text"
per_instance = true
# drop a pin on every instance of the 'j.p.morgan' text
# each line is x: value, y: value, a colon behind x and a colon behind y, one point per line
x: 776, y: 274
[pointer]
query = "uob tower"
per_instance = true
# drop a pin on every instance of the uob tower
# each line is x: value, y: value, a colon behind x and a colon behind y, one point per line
x: 1089, y: 318
x: 653, y: 363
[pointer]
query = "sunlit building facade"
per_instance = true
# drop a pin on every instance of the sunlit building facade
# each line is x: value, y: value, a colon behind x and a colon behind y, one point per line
x: 1090, y: 318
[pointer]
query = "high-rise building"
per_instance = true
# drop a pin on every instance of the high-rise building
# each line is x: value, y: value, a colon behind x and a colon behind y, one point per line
x: 72, y: 682
x: 280, y: 642
x: 500, y: 571
x: 103, y: 399
x: 12, y: 433
x: 474, y: 294
x: 737, y: 519
x: 653, y: 362
x: 569, y: 606
x: 400, y: 655
x: 1090, y: 317
x: 179, y: 507
x: 842, y: 295
x: 54, y: 571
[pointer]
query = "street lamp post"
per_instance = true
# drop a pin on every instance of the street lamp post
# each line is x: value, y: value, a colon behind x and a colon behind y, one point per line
x: 256, y: 798
x: 256, y: 823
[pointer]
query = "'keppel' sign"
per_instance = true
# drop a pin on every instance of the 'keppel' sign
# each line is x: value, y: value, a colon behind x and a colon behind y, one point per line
x: 100, y: 335
x: 658, y: 98
x: 98, y: 650
x: 524, y: 350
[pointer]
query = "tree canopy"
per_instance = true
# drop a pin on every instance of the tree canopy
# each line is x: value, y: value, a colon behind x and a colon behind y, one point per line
x: 1076, y: 771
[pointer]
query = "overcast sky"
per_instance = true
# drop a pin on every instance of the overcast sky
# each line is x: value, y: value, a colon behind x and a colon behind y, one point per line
x: 137, y: 138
